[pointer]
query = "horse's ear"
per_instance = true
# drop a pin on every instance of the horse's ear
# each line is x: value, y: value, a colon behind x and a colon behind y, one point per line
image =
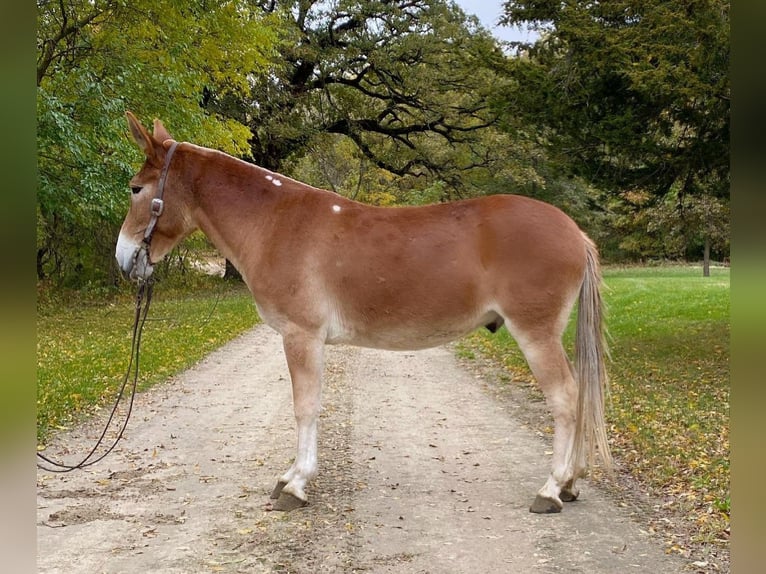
x: 140, y: 135
x: 160, y: 133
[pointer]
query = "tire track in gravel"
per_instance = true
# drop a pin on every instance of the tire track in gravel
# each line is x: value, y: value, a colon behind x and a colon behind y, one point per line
x: 421, y: 471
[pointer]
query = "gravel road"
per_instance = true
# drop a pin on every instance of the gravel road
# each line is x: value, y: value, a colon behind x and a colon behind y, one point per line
x: 422, y: 470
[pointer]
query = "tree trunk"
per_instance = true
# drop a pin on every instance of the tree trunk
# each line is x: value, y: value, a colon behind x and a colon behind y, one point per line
x: 706, y: 259
x: 41, y: 253
x: 231, y: 272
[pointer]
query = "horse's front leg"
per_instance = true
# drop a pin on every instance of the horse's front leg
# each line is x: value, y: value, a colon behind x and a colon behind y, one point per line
x: 305, y: 360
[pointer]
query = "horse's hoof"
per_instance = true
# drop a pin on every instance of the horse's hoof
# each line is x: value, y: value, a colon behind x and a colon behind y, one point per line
x: 568, y: 495
x: 277, y: 490
x: 543, y: 505
x: 287, y: 502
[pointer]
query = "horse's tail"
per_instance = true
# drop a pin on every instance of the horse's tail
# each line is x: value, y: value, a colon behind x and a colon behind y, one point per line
x: 590, y: 355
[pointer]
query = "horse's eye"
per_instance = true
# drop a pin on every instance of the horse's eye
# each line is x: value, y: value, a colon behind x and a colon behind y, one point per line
x: 135, y: 189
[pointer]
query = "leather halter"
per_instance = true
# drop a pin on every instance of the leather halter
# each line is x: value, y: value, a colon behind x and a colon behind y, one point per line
x: 157, y: 202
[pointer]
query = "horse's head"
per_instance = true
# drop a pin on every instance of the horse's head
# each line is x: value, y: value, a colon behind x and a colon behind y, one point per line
x: 159, y: 215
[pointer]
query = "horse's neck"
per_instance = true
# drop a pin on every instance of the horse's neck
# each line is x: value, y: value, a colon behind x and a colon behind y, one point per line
x: 234, y: 207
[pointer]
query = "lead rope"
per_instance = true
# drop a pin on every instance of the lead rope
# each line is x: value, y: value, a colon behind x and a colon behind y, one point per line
x: 143, y: 300
x: 144, y: 291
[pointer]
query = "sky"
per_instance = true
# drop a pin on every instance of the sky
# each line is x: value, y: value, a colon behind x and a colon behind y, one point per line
x: 488, y: 12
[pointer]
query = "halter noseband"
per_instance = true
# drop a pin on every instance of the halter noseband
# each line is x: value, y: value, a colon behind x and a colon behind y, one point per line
x: 157, y: 202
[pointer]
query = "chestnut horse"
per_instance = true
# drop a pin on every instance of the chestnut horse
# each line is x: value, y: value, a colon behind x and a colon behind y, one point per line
x: 324, y: 269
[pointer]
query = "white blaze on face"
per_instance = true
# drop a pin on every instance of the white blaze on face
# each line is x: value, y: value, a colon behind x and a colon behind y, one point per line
x: 336, y: 208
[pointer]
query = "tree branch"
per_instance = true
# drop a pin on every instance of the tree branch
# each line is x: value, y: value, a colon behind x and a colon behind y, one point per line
x: 48, y: 49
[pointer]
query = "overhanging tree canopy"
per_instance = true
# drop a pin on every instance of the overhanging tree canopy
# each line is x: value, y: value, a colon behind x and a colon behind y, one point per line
x: 406, y: 80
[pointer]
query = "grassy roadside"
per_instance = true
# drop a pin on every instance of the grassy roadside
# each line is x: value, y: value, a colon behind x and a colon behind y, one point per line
x: 83, y: 346
x: 669, y: 407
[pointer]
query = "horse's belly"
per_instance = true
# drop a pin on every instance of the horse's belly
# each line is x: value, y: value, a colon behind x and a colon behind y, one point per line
x: 407, y: 335
x: 394, y: 341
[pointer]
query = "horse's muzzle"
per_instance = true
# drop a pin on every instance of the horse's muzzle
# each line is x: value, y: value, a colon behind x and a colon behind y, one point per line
x: 133, y: 259
x: 142, y: 267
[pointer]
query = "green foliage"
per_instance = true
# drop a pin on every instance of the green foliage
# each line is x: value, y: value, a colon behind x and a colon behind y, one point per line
x: 691, y: 220
x: 630, y: 91
x: 630, y: 96
x: 334, y: 162
x: 98, y: 59
x: 404, y: 80
x: 673, y: 227
x: 83, y: 346
x: 669, y: 405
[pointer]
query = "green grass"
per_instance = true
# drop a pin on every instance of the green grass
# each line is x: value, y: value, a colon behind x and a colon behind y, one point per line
x: 83, y: 347
x: 669, y: 406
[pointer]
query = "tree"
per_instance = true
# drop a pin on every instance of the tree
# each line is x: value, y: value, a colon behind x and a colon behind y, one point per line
x: 674, y: 226
x: 405, y: 80
x: 334, y: 162
x: 631, y: 96
x: 97, y: 58
x: 688, y: 222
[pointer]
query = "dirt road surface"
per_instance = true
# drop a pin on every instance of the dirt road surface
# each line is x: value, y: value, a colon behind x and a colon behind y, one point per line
x: 421, y: 471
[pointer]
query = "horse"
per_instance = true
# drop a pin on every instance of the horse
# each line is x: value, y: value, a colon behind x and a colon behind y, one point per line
x: 324, y: 269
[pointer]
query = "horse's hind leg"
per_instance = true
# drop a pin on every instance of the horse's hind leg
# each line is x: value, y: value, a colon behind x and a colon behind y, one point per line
x: 305, y: 360
x: 553, y: 373
x: 570, y: 492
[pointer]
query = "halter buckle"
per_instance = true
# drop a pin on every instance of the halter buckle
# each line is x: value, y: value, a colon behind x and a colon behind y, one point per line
x: 157, y: 206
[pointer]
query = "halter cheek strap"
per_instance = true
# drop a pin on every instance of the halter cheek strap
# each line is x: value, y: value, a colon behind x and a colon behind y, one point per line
x: 157, y: 202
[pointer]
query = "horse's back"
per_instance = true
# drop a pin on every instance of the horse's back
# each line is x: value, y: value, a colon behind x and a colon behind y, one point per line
x: 499, y: 238
x: 420, y: 276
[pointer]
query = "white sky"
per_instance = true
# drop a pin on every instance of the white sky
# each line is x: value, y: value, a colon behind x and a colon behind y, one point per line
x: 488, y: 12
